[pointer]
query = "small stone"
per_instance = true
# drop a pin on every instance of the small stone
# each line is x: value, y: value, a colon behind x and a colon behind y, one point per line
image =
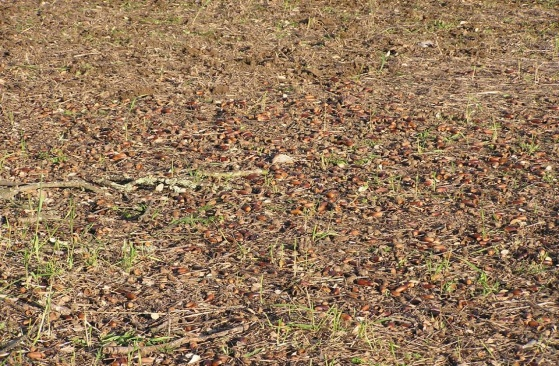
x: 283, y: 159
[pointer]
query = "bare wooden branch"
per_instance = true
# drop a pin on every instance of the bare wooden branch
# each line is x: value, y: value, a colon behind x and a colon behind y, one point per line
x: 5, y: 350
x: 12, y: 192
x: 235, y: 174
x: 9, y: 183
x: 181, y: 181
x: 124, y: 350
x: 186, y: 182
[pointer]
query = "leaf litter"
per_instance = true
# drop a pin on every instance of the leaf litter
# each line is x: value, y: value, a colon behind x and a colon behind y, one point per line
x: 409, y: 217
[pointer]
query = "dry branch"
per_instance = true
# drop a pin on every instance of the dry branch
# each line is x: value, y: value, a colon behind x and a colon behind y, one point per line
x: 12, y: 192
x: 124, y: 350
x: 185, y: 182
x: 5, y: 350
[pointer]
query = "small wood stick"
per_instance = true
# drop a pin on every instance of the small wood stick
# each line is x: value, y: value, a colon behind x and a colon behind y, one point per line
x: 12, y: 192
x: 4, y: 351
x: 234, y: 174
x: 124, y: 350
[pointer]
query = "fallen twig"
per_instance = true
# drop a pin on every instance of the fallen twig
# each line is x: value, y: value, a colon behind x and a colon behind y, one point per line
x: 9, y: 183
x: 12, y: 192
x: 124, y: 350
x: 40, y: 218
x: 185, y: 182
x: 238, y: 173
x: 5, y: 350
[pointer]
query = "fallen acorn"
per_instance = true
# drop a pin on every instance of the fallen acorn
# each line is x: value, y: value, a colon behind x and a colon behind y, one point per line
x: 427, y: 239
x: 36, y: 355
x: 363, y: 282
x: 322, y: 206
x: 121, y: 361
x: 402, y: 288
x: 119, y: 157
x: 130, y: 296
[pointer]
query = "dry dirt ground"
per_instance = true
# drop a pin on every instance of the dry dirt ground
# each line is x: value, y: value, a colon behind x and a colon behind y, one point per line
x: 279, y: 182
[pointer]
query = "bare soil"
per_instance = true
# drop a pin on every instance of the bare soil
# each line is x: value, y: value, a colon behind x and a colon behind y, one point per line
x: 279, y: 182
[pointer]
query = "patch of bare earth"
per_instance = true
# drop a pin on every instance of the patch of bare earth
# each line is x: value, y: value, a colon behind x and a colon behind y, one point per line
x: 279, y: 182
